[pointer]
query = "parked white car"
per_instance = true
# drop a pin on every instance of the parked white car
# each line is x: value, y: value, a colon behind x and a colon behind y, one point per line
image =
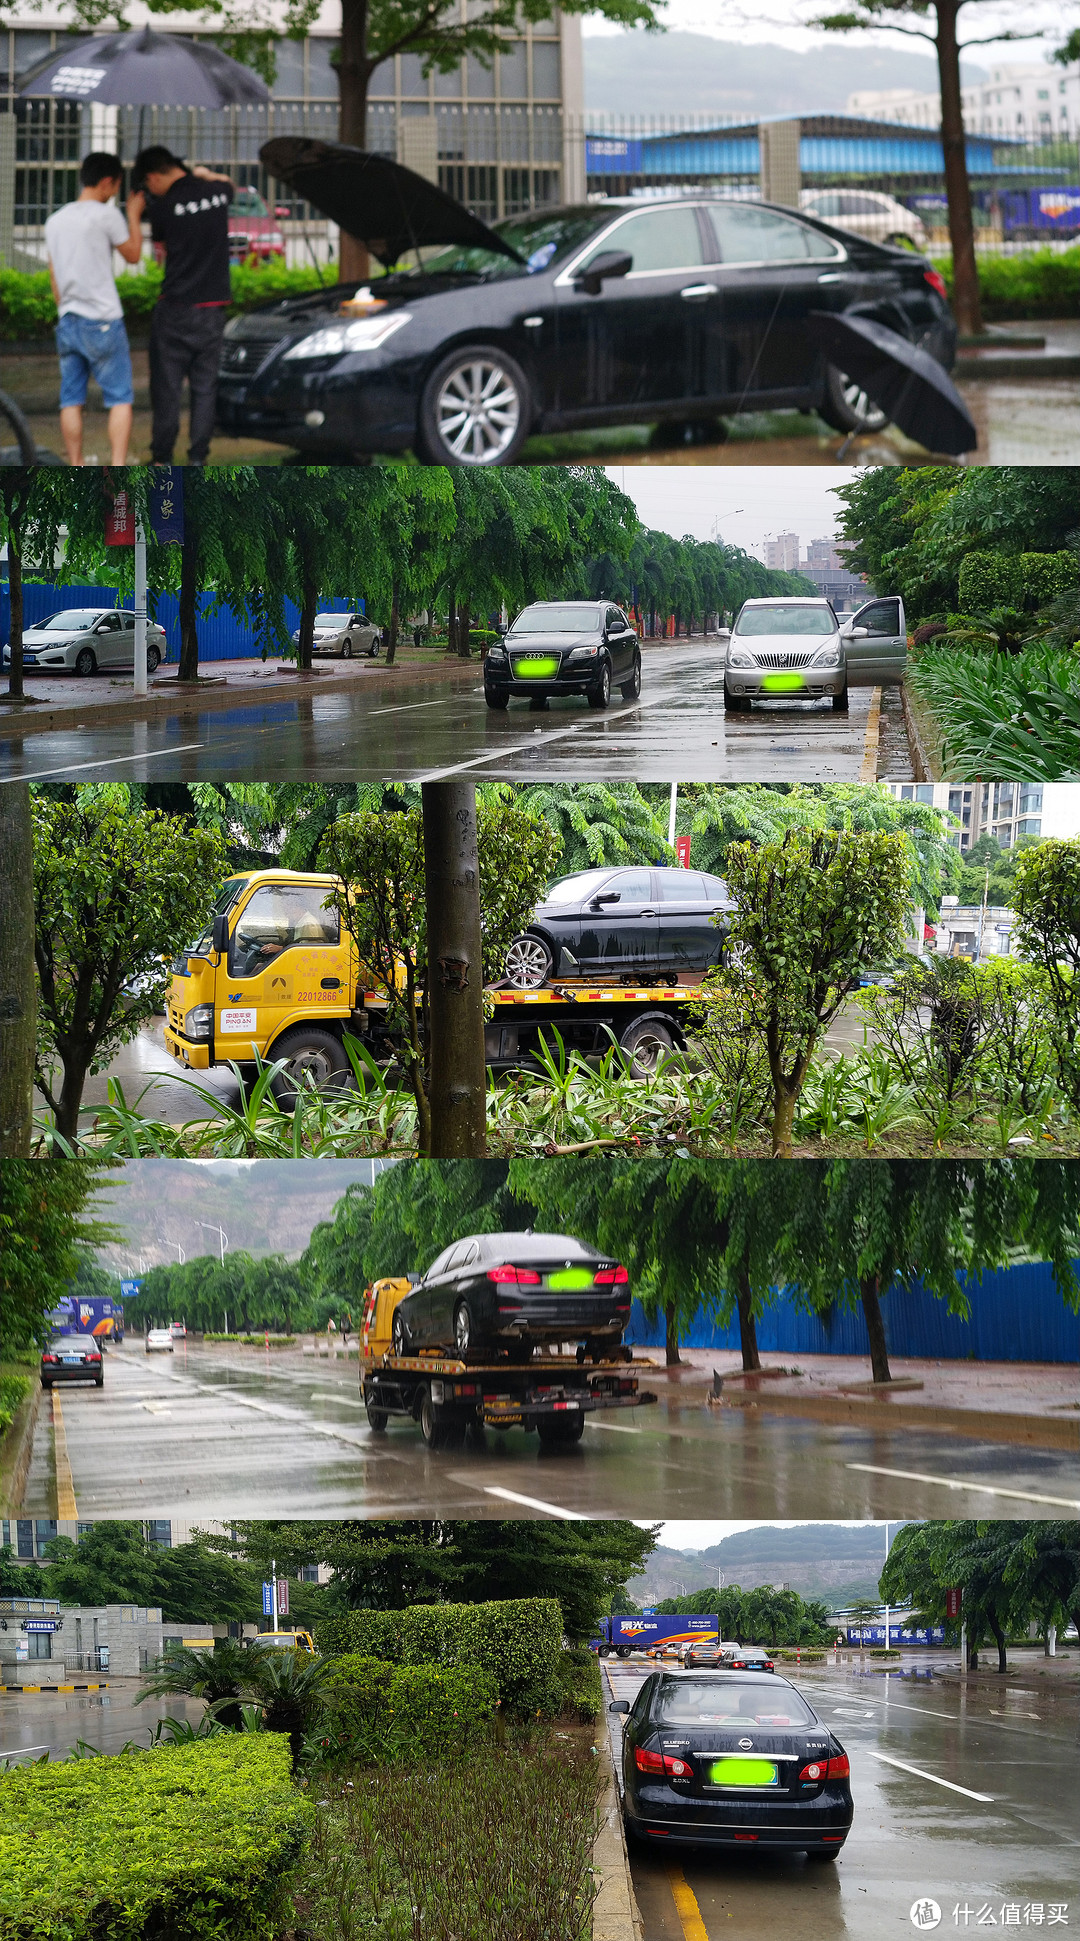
x: 84, y: 639
x: 344, y: 634
x: 159, y: 1341
x: 867, y: 212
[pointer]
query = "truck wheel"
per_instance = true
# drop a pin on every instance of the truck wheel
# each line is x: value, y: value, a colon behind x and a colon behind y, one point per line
x: 399, y: 1335
x: 646, y: 1043
x: 377, y: 1418
x: 313, y: 1057
x: 463, y: 1328
x: 623, y: 1651
x: 430, y: 1427
x: 557, y: 1431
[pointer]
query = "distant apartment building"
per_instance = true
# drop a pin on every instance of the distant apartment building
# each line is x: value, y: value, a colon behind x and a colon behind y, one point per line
x: 1016, y: 98
x: 782, y: 553
x: 1004, y: 810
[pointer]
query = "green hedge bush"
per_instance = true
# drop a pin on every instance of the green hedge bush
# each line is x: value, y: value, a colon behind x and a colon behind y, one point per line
x: 1022, y: 580
x: 27, y: 309
x: 186, y: 1843
x: 357, y: 1693
x: 13, y: 1391
x: 518, y: 1640
x: 382, y: 1711
x: 581, y: 1685
x: 1045, y: 283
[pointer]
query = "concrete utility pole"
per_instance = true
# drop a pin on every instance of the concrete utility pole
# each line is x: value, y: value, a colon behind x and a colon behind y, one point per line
x: 140, y: 605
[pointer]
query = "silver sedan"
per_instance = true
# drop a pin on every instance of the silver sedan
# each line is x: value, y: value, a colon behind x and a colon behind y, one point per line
x: 343, y: 635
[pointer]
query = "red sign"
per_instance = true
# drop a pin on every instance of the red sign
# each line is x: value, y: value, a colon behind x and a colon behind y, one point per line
x: 283, y: 1596
x: 682, y: 851
x: 954, y: 1599
x: 119, y: 517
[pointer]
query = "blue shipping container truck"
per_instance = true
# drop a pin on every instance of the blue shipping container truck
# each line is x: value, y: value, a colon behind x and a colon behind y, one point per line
x: 622, y: 1635
x: 97, y: 1316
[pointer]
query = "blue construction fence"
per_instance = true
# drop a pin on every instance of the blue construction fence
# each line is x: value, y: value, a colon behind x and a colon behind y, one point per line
x: 223, y: 634
x: 1017, y: 1314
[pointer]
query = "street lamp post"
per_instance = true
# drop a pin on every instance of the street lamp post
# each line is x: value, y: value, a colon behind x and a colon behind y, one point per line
x: 212, y: 1227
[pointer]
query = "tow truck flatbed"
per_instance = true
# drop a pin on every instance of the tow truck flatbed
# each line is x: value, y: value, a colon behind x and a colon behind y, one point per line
x: 451, y: 1398
x: 647, y: 1021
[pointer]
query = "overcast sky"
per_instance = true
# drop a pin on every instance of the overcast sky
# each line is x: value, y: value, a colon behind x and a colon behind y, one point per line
x: 751, y: 502
x: 779, y: 22
x: 690, y: 1535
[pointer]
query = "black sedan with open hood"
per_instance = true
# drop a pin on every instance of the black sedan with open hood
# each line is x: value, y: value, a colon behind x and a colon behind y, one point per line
x: 732, y: 1759
x: 611, y: 312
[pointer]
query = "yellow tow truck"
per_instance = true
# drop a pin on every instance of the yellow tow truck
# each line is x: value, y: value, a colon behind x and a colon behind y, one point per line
x: 274, y: 977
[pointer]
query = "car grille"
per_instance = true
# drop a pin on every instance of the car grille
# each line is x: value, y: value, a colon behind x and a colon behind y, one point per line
x: 769, y: 657
x: 243, y: 357
x: 537, y: 667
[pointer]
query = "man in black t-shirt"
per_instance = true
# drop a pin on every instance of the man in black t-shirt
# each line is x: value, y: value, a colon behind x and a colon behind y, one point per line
x: 189, y: 221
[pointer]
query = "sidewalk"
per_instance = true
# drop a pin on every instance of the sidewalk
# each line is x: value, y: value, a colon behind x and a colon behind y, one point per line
x: 1037, y: 1403
x: 68, y: 701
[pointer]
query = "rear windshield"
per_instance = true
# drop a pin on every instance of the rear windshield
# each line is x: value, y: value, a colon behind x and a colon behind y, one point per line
x: 556, y: 620
x: 536, y: 1246
x: 785, y: 620
x: 730, y: 1701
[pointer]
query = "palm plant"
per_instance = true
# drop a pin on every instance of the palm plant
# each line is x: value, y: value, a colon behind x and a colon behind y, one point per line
x: 219, y: 1676
x: 288, y: 1688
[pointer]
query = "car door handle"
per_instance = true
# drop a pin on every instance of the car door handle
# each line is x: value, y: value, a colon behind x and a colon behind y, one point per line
x: 833, y: 276
x: 695, y: 291
x: 647, y: 913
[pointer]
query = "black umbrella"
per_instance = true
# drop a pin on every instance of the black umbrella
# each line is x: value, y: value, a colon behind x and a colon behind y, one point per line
x: 142, y: 69
x: 919, y: 396
x: 382, y: 204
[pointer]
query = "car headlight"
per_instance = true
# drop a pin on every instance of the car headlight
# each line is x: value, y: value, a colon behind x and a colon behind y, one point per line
x: 366, y: 333
x: 582, y: 653
x: 197, y: 1022
x: 828, y: 657
x: 738, y: 657
x: 496, y: 653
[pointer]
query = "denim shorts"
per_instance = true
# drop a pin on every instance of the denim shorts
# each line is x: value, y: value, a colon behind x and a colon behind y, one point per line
x: 88, y: 348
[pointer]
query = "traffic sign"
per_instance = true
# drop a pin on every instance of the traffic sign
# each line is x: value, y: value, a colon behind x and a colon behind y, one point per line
x: 268, y: 1600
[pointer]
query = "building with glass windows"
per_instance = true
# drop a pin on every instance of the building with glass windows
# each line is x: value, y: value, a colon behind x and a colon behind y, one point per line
x: 1004, y: 810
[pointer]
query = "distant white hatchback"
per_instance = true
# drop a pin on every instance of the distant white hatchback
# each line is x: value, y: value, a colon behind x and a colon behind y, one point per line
x: 84, y: 639
x: 867, y: 212
x: 159, y: 1341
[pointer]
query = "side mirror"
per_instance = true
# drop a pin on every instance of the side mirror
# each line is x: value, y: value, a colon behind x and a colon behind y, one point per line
x: 221, y: 933
x: 606, y: 896
x: 858, y: 633
x: 610, y: 262
x: 619, y: 1705
x: 501, y: 630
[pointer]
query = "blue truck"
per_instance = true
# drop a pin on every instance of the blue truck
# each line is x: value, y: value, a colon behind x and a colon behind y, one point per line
x: 96, y: 1315
x: 619, y: 1636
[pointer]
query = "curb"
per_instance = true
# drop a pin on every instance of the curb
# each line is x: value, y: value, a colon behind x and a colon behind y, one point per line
x: 925, y: 768
x: 988, y: 1426
x: 1005, y: 363
x: 20, y: 1441
x: 615, y: 1915
x: 103, y: 1687
x: 871, y: 746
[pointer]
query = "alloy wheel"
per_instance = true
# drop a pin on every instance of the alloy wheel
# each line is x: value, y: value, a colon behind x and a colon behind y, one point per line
x: 528, y: 962
x: 477, y: 411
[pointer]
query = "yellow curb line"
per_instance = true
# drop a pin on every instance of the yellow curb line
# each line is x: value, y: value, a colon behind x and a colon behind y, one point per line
x: 868, y: 771
x: 66, y: 1509
x: 686, y: 1906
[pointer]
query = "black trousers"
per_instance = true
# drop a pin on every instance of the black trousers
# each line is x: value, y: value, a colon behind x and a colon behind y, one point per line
x: 184, y: 342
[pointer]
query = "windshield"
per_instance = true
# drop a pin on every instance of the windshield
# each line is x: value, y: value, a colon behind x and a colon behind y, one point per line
x: 735, y: 1701
x: 575, y: 889
x: 225, y: 899
x: 557, y: 620
x: 814, y: 621
x: 73, y: 621
x: 539, y: 239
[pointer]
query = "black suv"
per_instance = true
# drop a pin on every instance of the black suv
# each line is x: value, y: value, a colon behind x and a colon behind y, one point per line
x: 512, y: 1290
x: 565, y: 647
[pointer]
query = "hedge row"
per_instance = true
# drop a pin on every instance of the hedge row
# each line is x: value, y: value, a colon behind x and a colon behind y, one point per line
x: 418, y: 1710
x: 27, y: 308
x: 187, y: 1842
x: 13, y: 1391
x: 518, y: 1640
x: 1045, y: 283
x: 582, y: 1685
x: 1024, y: 580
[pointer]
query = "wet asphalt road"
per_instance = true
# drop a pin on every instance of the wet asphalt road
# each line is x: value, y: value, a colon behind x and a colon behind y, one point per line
x: 1013, y: 1742
x: 676, y: 728
x: 209, y: 1432
x: 32, y: 1723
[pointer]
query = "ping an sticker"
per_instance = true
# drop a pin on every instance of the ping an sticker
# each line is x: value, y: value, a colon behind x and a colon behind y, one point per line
x: 236, y: 1020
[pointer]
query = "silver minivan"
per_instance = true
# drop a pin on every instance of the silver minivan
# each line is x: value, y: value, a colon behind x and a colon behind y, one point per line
x: 798, y: 650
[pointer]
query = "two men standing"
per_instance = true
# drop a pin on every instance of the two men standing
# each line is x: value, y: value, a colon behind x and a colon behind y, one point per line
x: 188, y: 211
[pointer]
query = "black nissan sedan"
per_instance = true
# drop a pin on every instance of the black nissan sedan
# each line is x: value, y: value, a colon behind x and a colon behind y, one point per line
x: 623, y: 923
x: 732, y: 1759
x: 73, y: 1358
x: 565, y: 647
x: 614, y: 312
x: 510, y: 1291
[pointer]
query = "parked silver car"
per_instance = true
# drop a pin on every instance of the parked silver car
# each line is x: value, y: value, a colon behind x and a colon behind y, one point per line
x: 343, y: 635
x: 798, y: 650
x: 86, y: 638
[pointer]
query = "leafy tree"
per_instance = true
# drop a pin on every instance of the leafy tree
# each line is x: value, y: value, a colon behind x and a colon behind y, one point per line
x: 381, y: 1565
x: 1044, y: 1573
x: 928, y: 1559
x: 759, y: 1616
x: 598, y: 823
x: 812, y: 913
x: 115, y: 895
x: 1046, y: 898
x: 18, y: 989
x: 110, y: 1564
x: 43, y: 1225
x: 221, y: 1676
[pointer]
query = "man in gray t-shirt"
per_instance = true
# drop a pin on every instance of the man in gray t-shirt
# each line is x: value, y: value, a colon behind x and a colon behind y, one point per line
x: 90, y: 333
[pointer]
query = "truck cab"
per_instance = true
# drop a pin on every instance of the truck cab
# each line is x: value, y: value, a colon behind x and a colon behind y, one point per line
x: 273, y: 975
x: 381, y: 1301
x: 286, y: 1641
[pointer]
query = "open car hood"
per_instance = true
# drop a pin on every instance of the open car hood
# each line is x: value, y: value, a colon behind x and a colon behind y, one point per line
x: 382, y: 204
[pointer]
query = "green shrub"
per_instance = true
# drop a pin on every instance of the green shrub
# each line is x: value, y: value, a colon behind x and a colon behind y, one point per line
x: 581, y: 1685
x: 27, y: 309
x: 189, y: 1842
x: 1044, y: 283
x: 518, y: 1640
x: 1023, y: 580
x: 13, y: 1390
x: 357, y: 1693
x: 440, y: 1709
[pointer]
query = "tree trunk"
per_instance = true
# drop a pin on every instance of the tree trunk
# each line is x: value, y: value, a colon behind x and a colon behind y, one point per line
x: 70, y: 1099
x: 307, y: 618
x: 998, y: 1634
x: 15, y: 635
x: 451, y: 626
x: 965, y: 296
x: 671, y: 1337
x: 354, y: 77
x: 455, y: 981
x: 870, y: 1293
x: 783, y: 1121
x: 747, y: 1328
x: 464, y: 620
x: 395, y: 623
x: 18, y: 987
x: 189, y: 587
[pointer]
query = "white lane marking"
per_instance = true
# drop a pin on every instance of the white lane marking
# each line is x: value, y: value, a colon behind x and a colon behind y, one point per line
x: 987, y: 1798
x: 113, y: 761
x: 979, y: 1489
x: 617, y: 1428
x: 409, y: 707
x: 535, y: 1503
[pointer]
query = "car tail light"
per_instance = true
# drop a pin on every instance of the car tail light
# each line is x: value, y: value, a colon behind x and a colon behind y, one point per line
x: 520, y: 1276
x: 50, y: 1358
x: 746, y: 1836
x: 611, y: 1277
x: 936, y: 282
x: 648, y: 1762
x: 677, y: 1768
x: 840, y: 1768
x: 815, y: 1774
x: 93, y: 1355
